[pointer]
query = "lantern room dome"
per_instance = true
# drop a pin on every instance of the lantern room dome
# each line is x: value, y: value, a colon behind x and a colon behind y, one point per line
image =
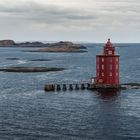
x: 109, y: 44
x: 108, y: 48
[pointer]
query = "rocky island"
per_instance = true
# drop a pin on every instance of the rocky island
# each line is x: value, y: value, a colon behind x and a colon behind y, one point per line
x: 62, y: 46
x: 7, y: 43
x: 30, y: 69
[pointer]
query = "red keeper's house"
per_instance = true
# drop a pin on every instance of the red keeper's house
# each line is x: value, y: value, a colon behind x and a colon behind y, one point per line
x: 107, y: 66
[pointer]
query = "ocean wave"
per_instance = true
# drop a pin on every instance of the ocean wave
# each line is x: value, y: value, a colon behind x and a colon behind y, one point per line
x: 7, y: 65
x: 32, y: 93
x: 128, y: 77
x: 22, y: 61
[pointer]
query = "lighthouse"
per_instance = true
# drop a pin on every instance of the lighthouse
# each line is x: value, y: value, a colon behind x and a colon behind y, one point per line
x: 107, y: 66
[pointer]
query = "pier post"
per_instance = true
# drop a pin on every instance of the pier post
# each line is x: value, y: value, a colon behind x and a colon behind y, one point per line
x: 88, y: 86
x: 49, y: 87
x: 82, y: 86
x: 70, y: 87
x: 76, y: 87
x: 58, y: 87
x: 64, y: 87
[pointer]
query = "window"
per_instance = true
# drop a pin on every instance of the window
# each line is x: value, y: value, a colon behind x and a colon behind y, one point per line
x: 110, y: 66
x: 117, y: 67
x: 102, y: 59
x: 102, y: 74
x: 117, y: 73
x: 110, y: 52
x: 97, y: 66
x: 110, y: 60
x: 110, y: 74
x: 102, y: 67
x: 117, y: 60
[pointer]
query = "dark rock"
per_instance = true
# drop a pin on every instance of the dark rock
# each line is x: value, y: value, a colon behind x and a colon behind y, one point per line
x: 62, y: 46
x: 30, y: 69
x: 29, y: 60
x: 12, y: 58
x: 30, y: 44
x: 49, y: 87
x: 41, y: 60
x: 6, y: 43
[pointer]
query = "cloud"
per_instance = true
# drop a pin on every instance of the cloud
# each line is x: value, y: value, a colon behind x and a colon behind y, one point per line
x: 70, y: 16
x: 35, y: 11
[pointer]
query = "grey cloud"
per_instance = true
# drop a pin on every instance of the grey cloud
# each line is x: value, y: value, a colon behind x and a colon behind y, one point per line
x: 97, y: 18
x: 36, y: 12
x: 54, y: 14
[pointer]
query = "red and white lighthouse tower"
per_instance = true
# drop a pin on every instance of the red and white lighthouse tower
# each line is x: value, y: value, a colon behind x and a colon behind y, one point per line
x: 107, y: 66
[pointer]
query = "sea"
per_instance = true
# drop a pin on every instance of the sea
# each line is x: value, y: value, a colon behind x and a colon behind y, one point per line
x: 27, y: 112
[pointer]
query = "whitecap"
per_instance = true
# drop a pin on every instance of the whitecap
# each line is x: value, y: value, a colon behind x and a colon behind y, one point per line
x: 128, y: 76
x: 22, y: 61
x: 7, y: 65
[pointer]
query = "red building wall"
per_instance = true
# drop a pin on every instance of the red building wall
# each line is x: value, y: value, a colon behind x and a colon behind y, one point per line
x: 107, y: 66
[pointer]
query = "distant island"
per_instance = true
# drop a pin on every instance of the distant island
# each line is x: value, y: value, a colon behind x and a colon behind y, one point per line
x: 62, y: 46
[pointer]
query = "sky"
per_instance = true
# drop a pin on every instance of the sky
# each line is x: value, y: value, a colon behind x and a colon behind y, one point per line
x: 71, y: 20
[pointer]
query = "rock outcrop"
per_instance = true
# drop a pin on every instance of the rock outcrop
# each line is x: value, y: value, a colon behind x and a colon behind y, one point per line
x: 62, y: 46
x: 39, y: 59
x: 66, y: 44
x: 30, y: 69
x: 31, y: 44
x: 7, y: 43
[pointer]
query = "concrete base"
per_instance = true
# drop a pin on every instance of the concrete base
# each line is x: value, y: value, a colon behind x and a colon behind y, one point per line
x: 103, y: 86
x: 118, y: 87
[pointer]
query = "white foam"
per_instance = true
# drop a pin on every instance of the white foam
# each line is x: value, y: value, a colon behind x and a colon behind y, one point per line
x: 7, y: 65
x: 22, y: 61
x: 128, y: 77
